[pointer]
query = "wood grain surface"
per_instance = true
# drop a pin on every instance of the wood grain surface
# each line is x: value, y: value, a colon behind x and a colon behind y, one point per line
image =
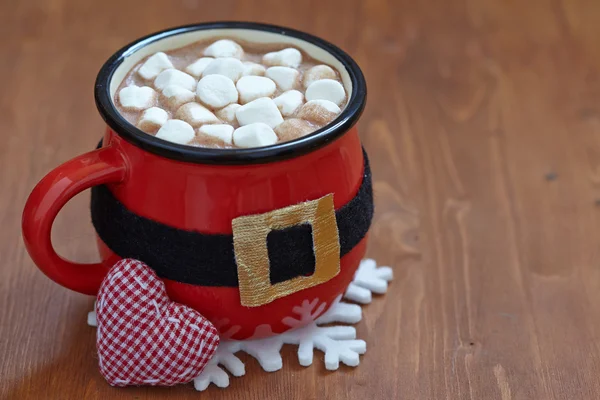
x: 483, y: 126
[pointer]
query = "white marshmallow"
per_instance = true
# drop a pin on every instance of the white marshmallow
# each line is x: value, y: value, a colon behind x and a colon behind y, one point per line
x: 289, y: 102
x: 196, y: 115
x: 174, y: 77
x: 284, y: 77
x: 326, y: 104
x: 254, y: 135
x: 223, y: 132
x: 197, y: 67
x: 176, y: 131
x: 318, y: 72
x: 326, y: 89
x: 224, y: 48
x: 251, y: 68
x: 260, y: 110
x: 227, y: 114
x: 253, y: 87
x: 216, y: 91
x: 152, y: 119
x: 286, y: 57
x: 292, y: 129
x: 229, y: 67
x: 176, y: 95
x: 154, y: 65
x: 319, y: 111
x: 137, y: 98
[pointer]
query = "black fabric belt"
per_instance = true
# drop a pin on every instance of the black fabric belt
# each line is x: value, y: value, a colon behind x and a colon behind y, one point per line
x: 208, y: 259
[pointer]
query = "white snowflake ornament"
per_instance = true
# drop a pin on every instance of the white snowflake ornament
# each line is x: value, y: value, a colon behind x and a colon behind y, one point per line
x: 337, y: 342
x: 368, y: 279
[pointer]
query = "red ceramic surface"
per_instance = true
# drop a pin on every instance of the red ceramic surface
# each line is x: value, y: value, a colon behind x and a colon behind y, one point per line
x: 198, y: 197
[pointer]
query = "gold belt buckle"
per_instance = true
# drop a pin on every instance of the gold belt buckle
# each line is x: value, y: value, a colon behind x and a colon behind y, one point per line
x: 252, y: 256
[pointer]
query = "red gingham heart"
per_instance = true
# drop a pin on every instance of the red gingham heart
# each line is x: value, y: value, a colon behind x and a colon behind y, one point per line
x: 145, y: 339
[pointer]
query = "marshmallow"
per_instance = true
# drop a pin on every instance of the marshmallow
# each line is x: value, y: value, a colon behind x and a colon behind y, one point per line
x: 137, y: 98
x: 216, y: 91
x: 326, y: 89
x: 227, y: 114
x: 319, y: 111
x: 224, y: 48
x: 154, y: 65
x: 251, y: 68
x: 176, y: 96
x: 318, y: 72
x: 284, y: 77
x: 196, y: 115
x: 253, y: 87
x: 152, y: 119
x: 197, y: 67
x: 289, y: 102
x: 260, y: 110
x: 286, y: 57
x: 229, y: 67
x: 223, y: 132
x: 176, y: 131
x: 174, y: 77
x: 293, y: 128
x: 254, y: 135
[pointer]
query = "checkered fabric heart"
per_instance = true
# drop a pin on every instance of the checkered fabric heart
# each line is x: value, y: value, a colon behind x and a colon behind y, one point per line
x: 145, y: 339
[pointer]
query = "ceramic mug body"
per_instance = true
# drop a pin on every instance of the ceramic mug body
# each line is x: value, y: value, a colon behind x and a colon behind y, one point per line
x: 203, y: 190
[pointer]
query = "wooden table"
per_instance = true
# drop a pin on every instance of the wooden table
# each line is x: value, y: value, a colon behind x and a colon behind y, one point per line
x: 483, y: 126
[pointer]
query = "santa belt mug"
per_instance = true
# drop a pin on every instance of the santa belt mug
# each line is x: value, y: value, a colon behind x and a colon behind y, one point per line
x: 241, y: 235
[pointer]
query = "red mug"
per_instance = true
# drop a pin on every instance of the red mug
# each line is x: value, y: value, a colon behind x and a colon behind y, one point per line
x: 174, y: 207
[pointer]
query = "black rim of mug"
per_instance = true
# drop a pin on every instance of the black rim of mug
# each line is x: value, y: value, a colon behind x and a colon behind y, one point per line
x: 277, y: 152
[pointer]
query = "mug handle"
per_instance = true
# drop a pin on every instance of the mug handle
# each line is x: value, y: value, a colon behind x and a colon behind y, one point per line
x: 101, y: 166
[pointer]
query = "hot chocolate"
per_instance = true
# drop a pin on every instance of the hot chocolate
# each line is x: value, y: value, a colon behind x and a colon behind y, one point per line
x: 230, y: 94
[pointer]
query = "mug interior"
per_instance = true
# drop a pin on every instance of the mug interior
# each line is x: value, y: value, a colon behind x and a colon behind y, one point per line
x: 116, y: 68
x: 244, y: 35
